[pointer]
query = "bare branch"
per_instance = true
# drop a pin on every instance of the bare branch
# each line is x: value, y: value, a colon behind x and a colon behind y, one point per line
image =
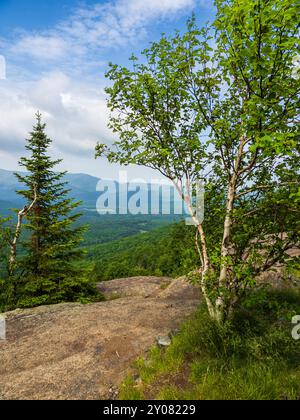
x: 13, y: 244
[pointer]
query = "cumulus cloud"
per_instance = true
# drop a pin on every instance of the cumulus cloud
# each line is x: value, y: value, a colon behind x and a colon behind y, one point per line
x: 76, y: 117
x: 76, y: 113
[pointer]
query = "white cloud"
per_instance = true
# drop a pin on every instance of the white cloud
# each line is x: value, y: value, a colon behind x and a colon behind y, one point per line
x: 76, y: 117
x: 122, y: 20
x: 76, y: 113
x: 41, y: 47
x: 100, y: 26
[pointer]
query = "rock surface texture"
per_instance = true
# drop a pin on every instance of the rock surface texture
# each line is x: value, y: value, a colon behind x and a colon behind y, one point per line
x: 73, y: 351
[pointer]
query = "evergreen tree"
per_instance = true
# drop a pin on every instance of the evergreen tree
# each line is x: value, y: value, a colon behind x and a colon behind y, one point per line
x: 51, y: 269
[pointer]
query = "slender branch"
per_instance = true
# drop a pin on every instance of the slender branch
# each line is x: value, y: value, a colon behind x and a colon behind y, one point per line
x: 13, y: 244
x: 265, y: 187
x: 251, y: 164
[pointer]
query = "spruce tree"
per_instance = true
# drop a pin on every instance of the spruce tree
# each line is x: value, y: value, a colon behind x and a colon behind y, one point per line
x: 52, y: 268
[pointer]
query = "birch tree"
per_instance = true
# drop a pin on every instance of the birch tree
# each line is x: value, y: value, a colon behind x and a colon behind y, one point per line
x: 221, y: 103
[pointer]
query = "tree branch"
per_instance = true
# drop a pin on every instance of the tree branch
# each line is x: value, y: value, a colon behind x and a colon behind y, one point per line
x: 13, y: 244
x: 265, y: 187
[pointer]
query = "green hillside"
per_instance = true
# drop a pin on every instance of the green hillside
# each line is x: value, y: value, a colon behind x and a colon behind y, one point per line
x: 107, y: 228
x: 167, y: 251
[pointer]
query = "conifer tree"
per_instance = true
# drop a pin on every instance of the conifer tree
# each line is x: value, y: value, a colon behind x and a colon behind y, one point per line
x: 51, y: 269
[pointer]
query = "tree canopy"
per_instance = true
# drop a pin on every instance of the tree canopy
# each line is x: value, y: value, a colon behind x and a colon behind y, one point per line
x: 221, y: 103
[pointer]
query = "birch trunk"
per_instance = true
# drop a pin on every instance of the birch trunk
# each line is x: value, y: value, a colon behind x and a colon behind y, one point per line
x: 203, y: 252
x: 223, y: 306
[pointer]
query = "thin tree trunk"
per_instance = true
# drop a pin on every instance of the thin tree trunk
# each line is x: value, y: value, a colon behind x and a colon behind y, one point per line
x: 203, y: 253
x: 221, y: 304
x: 205, y: 272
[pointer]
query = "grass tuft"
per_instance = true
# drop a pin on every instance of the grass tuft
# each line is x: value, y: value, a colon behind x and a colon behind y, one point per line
x: 253, y: 357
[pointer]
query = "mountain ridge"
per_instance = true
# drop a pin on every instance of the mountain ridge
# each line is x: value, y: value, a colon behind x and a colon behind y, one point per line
x: 83, y: 188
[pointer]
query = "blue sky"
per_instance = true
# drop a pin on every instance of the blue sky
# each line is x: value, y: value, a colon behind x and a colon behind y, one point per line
x: 33, y: 14
x: 56, y: 55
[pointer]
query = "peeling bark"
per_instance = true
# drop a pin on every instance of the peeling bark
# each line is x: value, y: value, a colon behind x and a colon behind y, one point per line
x: 202, y: 250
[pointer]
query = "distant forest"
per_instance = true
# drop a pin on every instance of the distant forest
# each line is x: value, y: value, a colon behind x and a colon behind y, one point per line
x: 166, y: 251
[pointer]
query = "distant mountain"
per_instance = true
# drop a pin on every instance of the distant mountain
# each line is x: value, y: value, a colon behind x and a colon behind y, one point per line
x: 82, y: 187
x: 80, y: 182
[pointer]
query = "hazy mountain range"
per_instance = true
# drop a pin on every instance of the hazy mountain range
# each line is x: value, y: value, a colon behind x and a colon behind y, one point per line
x: 82, y: 186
